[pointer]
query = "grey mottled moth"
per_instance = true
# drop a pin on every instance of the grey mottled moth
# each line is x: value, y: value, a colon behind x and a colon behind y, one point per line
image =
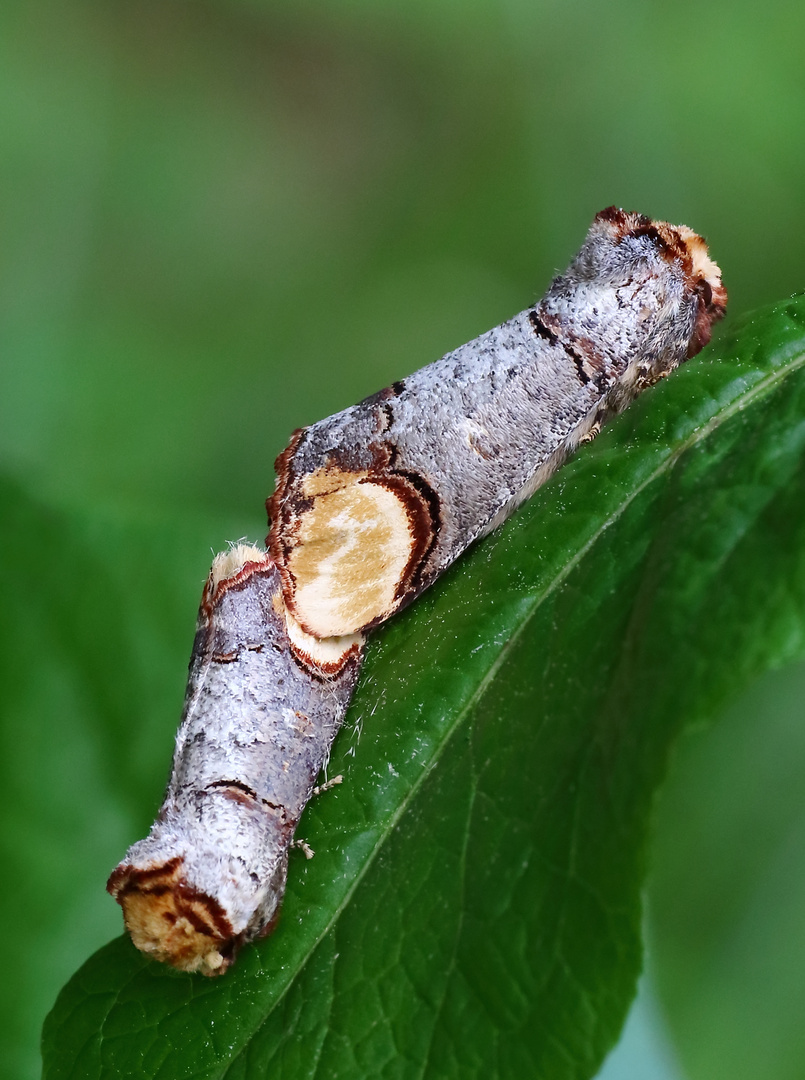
x: 371, y: 505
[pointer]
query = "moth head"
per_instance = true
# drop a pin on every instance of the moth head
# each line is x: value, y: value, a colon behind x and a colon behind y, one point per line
x: 624, y: 245
x: 703, y: 279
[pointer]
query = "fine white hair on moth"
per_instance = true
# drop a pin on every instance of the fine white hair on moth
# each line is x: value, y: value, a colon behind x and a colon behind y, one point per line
x: 371, y: 505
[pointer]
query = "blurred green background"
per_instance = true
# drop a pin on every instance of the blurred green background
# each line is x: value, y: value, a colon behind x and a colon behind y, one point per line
x: 221, y: 221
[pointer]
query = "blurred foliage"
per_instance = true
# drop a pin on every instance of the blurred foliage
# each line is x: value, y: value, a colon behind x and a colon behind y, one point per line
x: 221, y: 221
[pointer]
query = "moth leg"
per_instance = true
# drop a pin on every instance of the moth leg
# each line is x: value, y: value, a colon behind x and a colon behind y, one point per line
x: 327, y: 785
x: 304, y: 847
x: 591, y: 434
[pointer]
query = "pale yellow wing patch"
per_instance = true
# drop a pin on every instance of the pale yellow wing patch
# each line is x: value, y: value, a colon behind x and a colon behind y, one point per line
x: 327, y: 655
x: 349, y: 554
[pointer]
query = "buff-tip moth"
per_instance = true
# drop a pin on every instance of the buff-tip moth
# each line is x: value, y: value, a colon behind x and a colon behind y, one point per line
x: 371, y: 505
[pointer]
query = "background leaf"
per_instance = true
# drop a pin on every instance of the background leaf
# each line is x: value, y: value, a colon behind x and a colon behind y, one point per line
x: 474, y: 907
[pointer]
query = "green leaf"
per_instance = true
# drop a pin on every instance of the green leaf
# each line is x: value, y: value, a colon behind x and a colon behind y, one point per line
x: 474, y: 906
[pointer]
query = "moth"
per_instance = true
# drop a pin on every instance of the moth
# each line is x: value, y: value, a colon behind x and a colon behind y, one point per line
x: 371, y: 506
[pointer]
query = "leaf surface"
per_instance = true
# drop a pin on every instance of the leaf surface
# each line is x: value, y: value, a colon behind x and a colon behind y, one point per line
x: 474, y: 906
